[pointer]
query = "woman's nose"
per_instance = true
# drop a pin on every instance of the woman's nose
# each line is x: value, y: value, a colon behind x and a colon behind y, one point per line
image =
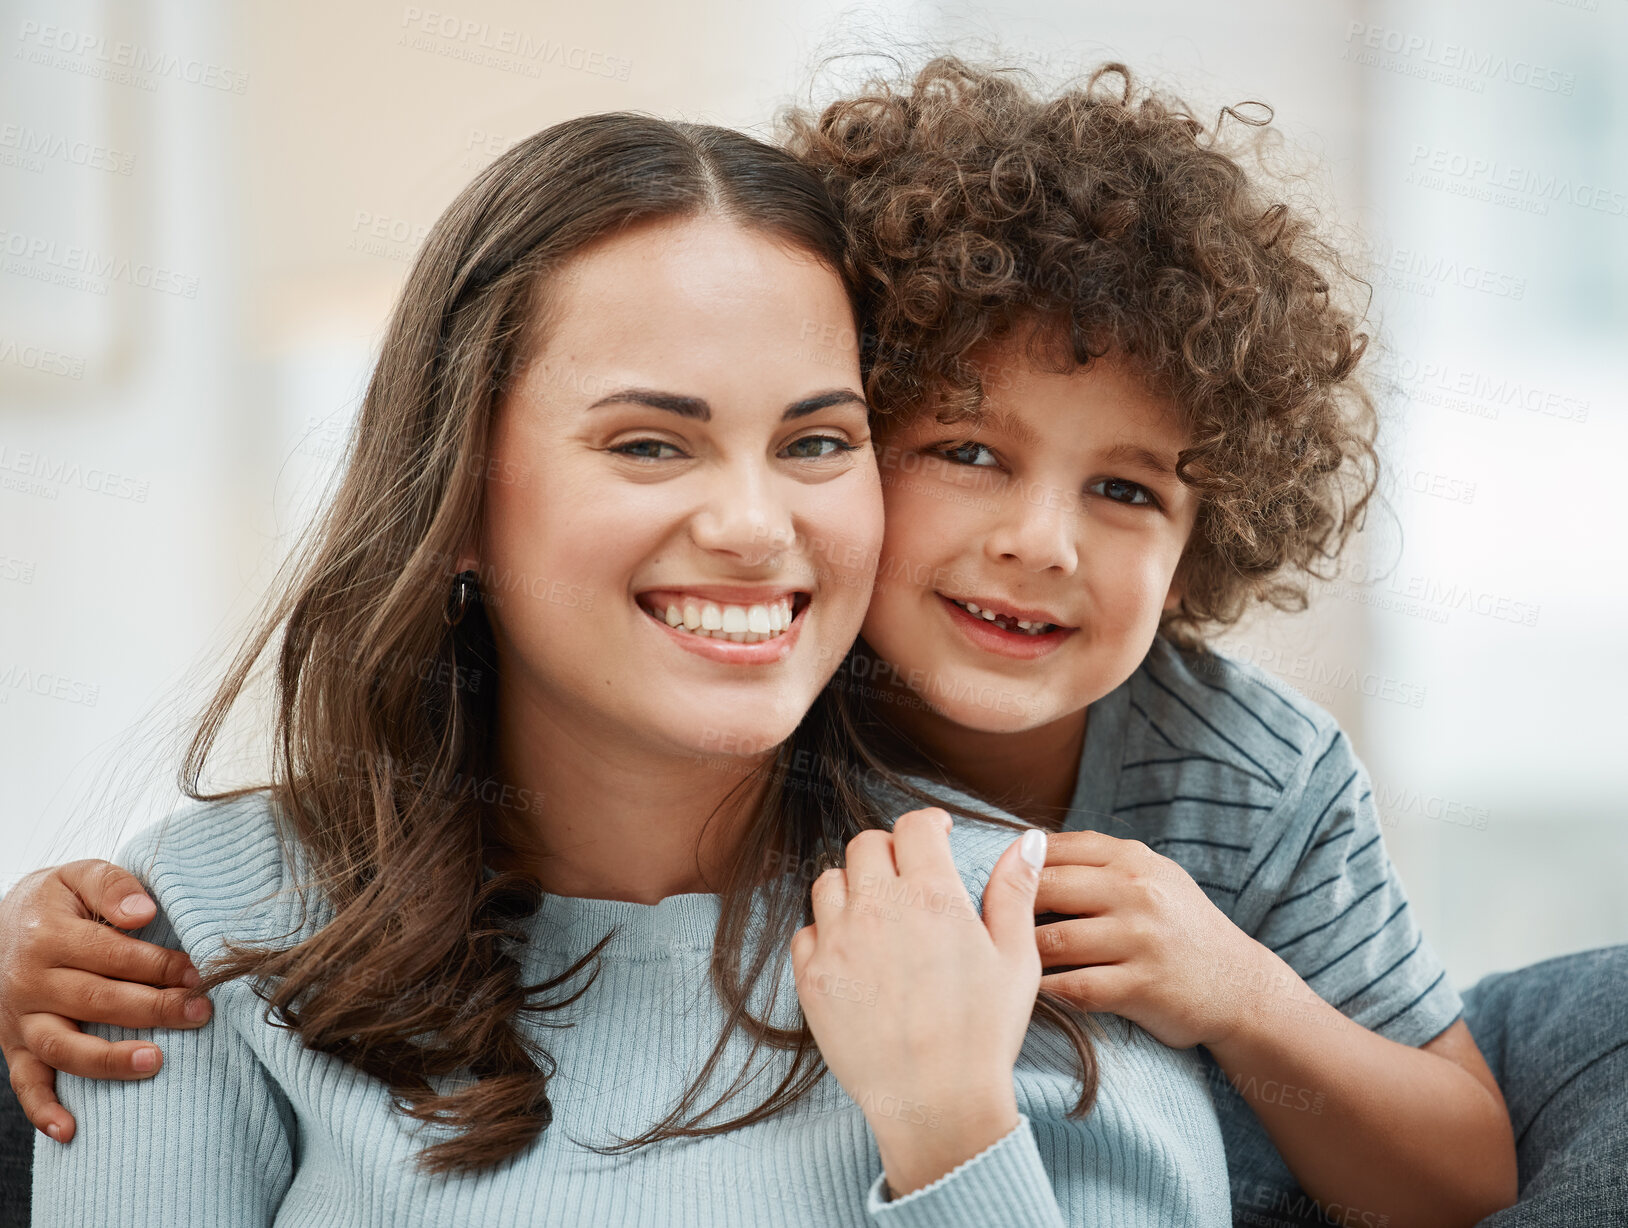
x: 745, y: 516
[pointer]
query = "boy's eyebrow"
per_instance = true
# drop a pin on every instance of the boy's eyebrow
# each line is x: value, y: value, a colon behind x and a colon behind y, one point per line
x: 698, y: 409
x: 1136, y: 454
x: 1008, y: 423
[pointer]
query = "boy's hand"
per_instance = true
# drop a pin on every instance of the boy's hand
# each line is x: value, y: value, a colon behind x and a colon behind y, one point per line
x: 1142, y: 940
x: 59, y: 963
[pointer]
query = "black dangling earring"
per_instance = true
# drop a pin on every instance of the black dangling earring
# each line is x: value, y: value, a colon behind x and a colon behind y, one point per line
x: 465, y: 590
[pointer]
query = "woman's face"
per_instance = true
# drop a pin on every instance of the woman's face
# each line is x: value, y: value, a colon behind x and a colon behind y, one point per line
x: 683, y: 508
x: 1063, y: 509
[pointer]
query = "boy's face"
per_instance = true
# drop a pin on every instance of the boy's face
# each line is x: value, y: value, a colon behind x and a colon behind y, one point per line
x: 1062, y: 508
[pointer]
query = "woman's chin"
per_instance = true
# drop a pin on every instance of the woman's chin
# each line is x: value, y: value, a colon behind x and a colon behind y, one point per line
x: 731, y: 744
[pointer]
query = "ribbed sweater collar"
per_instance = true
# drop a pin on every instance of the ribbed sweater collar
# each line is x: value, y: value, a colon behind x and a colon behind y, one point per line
x: 684, y: 922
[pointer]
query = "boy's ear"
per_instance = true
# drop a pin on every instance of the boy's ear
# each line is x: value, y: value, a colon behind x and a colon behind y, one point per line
x: 1178, y: 586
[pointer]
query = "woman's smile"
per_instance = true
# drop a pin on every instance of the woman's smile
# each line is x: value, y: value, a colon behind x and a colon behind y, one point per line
x: 733, y: 625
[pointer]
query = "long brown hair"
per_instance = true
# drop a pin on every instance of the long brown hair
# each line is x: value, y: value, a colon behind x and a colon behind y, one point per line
x: 380, y: 774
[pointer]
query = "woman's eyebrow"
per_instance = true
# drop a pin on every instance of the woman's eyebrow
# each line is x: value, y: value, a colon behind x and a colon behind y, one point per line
x: 824, y: 400
x: 697, y: 408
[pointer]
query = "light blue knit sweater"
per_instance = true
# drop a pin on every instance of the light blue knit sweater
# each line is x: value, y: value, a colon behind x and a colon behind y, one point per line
x: 244, y: 1126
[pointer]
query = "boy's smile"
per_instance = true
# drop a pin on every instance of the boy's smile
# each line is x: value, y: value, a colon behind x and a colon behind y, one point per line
x: 1028, y: 557
x: 997, y: 626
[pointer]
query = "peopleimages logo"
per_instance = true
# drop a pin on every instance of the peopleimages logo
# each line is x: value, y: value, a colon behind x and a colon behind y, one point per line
x: 127, y: 63
x: 84, y: 268
x: 37, y: 473
x: 1481, y: 393
x: 32, y: 148
x: 502, y: 47
x: 1447, y: 63
x: 1504, y: 183
x: 1415, y: 271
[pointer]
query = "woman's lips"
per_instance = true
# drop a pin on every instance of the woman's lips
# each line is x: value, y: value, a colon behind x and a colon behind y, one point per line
x: 728, y: 652
x: 991, y: 638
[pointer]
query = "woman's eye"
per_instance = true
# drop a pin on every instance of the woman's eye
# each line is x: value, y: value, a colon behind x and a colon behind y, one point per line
x: 1121, y: 491
x: 799, y: 448
x: 642, y: 449
x: 963, y: 454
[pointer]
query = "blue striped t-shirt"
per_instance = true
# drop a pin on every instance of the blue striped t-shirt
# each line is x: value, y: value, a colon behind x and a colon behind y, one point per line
x: 1256, y: 792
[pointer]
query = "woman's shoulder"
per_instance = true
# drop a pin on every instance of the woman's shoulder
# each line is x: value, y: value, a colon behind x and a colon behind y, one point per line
x: 216, y: 869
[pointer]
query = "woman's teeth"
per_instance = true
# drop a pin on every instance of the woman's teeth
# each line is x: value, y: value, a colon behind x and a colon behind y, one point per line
x: 1006, y: 622
x: 744, y: 624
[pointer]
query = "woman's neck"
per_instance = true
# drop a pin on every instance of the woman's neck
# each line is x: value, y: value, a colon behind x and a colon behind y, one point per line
x: 599, y: 819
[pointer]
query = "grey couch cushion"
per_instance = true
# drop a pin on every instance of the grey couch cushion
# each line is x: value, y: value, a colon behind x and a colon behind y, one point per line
x: 16, y: 1156
x: 1556, y: 1036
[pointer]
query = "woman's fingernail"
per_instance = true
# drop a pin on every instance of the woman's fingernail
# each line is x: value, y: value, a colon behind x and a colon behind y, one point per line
x: 197, y: 1010
x: 145, y: 1059
x: 1033, y: 849
x: 190, y: 978
x: 55, y: 1131
x: 134, y: 903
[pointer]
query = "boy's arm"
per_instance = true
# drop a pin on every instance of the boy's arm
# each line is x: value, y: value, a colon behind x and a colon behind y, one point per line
x: 59, y: 962
x: 206, y: 1141
x: 1364, y: 1119
x: 1417, y: 1135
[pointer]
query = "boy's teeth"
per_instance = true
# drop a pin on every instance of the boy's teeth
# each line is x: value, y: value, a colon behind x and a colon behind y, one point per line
x: 1021, y: 624
x: 739, y: 624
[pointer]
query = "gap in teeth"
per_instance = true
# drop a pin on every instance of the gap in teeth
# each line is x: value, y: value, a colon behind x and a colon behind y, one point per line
x: 739, y: 624
x: 1006, y: 622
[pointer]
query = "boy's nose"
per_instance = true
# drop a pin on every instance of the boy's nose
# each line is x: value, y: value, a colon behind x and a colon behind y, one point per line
x: 1039, y: 530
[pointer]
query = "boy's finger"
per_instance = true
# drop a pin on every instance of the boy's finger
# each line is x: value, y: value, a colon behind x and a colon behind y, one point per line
x: 1076, y: 890
x: 1103, y: 987
x: 35, y: 1085
x: 97, y: 999
x: 1081, y: 848
x: 56, y: 1043
x: 100, y: 949
x: 110, y: 892
x: 1081, y: 941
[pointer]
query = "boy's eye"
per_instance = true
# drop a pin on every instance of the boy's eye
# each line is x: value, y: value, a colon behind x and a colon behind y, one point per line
x: 1121, y: 491
x: 641, y: 449
x: 963, y: 453
x: 798, y: 448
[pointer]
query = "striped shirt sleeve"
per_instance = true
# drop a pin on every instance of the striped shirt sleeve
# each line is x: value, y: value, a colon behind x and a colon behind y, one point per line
x: 1339, y: 916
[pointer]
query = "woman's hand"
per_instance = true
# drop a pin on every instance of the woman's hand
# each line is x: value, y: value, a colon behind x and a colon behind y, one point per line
x: 59, y: 963
x: 920, y: 1006
x: 1142, y: 940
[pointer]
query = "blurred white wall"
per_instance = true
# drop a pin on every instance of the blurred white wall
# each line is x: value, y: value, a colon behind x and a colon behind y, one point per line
x: 205, y: 213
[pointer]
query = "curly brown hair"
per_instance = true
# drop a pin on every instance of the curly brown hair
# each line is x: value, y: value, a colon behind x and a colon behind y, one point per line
x: 1113, y: 216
